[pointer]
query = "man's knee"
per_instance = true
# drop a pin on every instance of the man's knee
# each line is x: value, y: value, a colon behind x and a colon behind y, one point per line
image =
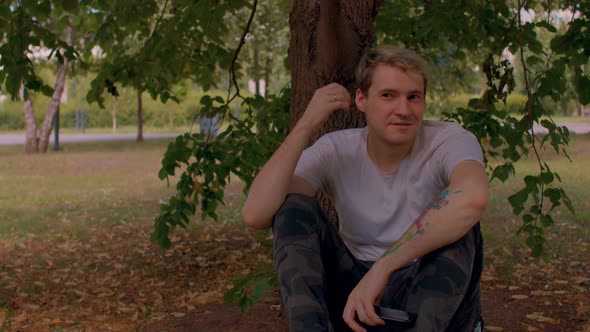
x: 466, y: 253
x: 298, y: 216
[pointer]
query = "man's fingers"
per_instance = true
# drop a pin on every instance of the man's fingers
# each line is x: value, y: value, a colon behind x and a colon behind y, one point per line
x: 348, y: 316
x: 372, y: 316
x: 367, y: 315
x: 362, y: 313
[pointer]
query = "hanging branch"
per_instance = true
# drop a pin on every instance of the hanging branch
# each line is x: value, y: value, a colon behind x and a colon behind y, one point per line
x: 232, y: 68
x: 528, y: 105
x: 159, y: 20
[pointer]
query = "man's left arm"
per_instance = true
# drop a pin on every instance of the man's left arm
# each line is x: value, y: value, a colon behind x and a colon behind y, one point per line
x: 457, y: 209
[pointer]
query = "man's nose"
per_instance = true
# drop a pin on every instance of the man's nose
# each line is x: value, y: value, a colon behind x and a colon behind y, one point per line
x: 402, y: 107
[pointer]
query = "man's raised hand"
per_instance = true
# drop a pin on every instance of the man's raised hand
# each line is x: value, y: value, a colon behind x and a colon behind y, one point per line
x: 325, y: 101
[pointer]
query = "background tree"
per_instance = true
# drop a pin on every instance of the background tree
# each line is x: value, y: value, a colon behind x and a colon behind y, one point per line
x: 28, y: 26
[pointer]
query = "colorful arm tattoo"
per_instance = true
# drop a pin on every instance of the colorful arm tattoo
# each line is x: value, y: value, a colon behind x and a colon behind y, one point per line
x: 419, y: 225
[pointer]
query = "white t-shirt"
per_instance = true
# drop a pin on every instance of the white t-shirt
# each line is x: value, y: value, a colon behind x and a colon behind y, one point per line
x: 376, y: 208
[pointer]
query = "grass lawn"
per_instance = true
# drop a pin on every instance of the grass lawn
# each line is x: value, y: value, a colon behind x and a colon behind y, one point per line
x: 75, y: 253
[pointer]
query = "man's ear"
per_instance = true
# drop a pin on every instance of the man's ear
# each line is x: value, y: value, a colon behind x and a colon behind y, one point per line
x: 361, y: 100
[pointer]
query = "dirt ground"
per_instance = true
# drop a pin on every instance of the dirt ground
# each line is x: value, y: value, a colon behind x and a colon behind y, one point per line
x: 102, y: 284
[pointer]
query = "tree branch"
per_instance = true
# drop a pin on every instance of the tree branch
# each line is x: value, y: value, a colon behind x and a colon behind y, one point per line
x: 528, y: 103
x: 232, y: 68
x: 159, y: 20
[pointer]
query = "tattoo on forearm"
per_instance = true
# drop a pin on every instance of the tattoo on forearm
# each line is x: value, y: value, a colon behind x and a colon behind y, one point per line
x: 419, y: 225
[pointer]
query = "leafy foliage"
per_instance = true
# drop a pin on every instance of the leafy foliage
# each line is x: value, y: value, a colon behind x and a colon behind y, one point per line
x: 249, y: 288
x: 24, y: 25
x: 208, y: 162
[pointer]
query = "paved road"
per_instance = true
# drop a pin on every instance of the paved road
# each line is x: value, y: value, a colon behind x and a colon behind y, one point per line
x: 19, y: 139
x: 577, y: 128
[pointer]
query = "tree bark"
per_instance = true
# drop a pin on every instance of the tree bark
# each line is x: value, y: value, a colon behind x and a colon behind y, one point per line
x: 58, y: 89
x: 114, y: 113
x: 328, y: 38
x: 267, y: 70
x: 31, y: 141
x: 139, y: 117
x: 256, y: 70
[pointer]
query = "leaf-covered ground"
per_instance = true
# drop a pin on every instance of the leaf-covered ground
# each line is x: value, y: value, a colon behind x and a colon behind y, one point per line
x: 115, y: 280
x: 75, y: 254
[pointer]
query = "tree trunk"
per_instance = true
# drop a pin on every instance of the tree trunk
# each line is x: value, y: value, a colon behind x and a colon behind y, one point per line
x: 58, y: 89
x: 267, y: 70
x: 114, y: 113
x: 31, y: 141
x: 328, y: 38
x: 139, y: 117
x: 256, y: 70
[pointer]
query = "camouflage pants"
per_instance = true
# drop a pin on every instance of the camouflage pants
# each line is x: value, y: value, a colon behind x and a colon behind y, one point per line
x: 317, y: 272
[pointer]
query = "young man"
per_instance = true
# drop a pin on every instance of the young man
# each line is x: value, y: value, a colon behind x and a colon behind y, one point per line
x: 409, y: 194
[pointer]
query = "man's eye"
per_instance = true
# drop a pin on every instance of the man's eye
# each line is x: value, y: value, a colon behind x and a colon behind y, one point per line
x: 414, y: 97
x: 387, y: 95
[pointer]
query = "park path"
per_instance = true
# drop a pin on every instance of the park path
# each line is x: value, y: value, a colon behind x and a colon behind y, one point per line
x: 19, y: 139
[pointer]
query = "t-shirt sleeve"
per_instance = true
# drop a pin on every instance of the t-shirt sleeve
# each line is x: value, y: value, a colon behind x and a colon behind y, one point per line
x: 457, y: 148
x: 315, y: 162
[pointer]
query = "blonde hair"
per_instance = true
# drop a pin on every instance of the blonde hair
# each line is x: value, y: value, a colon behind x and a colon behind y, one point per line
x: 386, y: 54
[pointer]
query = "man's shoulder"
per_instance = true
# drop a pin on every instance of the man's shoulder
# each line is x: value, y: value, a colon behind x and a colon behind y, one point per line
x: 440, y: 131
x: 343, y: 136
x: 442, y: 127
x: 346, y: 133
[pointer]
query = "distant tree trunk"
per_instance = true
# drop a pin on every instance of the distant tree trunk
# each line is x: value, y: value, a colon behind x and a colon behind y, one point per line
x: 564, y: 106
x: 328, y: 38
x: 58, y: 88
x: 139, y: 117
x: 114, y: 113
x: 267, y: 70
x: 256, y: 70
x: 31, y: 141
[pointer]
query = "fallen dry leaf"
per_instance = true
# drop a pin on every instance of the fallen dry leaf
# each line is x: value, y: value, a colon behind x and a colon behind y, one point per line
x: 538, y: 316
x: 519, y: 297
x: 531, y: 328
x: 582, y: 311
x: 493, y: 328
x: 541, y: 293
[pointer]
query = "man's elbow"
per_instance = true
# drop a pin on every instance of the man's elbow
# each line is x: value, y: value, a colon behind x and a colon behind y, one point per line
x: 478, y: 203
x: 253, y: 220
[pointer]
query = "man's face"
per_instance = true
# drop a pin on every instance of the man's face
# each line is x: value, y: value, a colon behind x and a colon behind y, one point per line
x: 394, y: 105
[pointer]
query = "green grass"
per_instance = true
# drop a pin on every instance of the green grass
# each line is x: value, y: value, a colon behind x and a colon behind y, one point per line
x: 82, y: 185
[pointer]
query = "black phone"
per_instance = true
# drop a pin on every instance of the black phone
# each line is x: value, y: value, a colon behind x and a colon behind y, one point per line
x: 395, y: 315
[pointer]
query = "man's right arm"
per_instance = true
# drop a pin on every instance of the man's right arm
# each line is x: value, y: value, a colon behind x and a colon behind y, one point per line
x: 275, y: 180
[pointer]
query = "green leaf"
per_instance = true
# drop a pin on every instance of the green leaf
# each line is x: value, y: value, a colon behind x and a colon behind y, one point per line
x: 568, y: 203
x: 583, y: 89
x: 533, y: 60
x: 546, y: 220
x: 546, y: 177
x: 503, y: 172
x: 547, y: 25
x: 517, y: 200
